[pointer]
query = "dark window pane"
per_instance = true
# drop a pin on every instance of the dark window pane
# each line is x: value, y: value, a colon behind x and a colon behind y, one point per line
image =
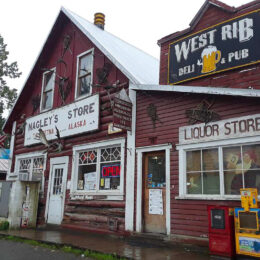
x: 210, y: 160
x: 156, y: 172
x: 84, y: 85
x: 211, y: 183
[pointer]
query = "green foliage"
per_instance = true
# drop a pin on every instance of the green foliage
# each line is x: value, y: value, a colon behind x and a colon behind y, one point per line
x: 4, y: 225
x: 7, y: 70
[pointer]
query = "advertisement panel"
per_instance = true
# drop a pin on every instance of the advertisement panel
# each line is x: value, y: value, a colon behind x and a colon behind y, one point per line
x: 225, y: 46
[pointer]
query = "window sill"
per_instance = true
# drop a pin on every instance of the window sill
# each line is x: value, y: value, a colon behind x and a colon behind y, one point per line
x: 210, y: 197
x: 96, y: 196
x: 83, y: 96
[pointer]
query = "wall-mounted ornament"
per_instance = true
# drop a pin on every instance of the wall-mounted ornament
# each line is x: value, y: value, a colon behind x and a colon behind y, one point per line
x: 54, y: 146
x: 66, y: 45
x: 102, y: 73
x: 202, y: 112
x: 36, y: 100
x: 152, y: 113
x: 64, y: 86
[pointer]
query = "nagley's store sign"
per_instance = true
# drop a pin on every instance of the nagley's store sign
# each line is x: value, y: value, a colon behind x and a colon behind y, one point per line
x: 225, y: 129
x: 76, y: 118
x: 228, y: 45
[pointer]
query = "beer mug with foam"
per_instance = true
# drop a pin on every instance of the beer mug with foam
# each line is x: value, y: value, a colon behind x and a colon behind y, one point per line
x: 210, y: 57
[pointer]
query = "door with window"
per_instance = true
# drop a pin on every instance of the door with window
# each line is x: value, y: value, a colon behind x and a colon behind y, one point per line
x: 57, y: 191
x: 154, y: 216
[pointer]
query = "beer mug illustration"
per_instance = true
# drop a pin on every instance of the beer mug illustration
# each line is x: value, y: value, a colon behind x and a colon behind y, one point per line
x: 210, y: 57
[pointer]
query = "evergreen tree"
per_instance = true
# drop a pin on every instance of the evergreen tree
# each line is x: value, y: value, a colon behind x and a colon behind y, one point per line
x: 7, y: 70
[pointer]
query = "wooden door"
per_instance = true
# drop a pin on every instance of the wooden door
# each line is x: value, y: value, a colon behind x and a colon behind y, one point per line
x: 57, y: 193
x: 154, y: 183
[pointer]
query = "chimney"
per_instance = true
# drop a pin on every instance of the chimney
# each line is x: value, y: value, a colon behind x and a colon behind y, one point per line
x: 99, y: 20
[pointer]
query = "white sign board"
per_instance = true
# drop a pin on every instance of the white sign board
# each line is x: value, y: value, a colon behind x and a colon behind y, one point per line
x: 76, y: 118
x: 155, y: 202
x: 90, y: 180
x: 220, y: 130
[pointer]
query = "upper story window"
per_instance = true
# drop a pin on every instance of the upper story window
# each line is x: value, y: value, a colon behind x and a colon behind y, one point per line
x: 47, y: 90
x: 84, y: 74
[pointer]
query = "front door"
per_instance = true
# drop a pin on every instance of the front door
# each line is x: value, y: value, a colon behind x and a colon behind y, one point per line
x: 57, y: 193
x: 154, y: 217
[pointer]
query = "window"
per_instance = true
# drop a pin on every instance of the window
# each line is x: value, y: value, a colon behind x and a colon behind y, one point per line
x: 99, y: 168
x: 33, y: 167
x: 222, y: 170
x: 84, y: 74
x: 47, y: 89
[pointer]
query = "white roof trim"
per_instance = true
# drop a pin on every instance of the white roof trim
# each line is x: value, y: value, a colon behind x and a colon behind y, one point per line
x: 200, y: 90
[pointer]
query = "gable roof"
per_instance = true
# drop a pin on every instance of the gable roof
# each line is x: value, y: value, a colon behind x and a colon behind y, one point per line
x: 201, y: 12
x: 138, y: 66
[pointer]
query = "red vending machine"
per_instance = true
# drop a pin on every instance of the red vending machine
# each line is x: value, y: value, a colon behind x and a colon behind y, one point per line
x: 221, y: 231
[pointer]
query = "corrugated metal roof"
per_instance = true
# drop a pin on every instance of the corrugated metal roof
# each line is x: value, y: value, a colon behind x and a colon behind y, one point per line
x: 138, y: 66
x: 4, y: 163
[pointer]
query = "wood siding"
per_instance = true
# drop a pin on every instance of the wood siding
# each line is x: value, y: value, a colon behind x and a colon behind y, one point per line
x: 188, y: 217
x: 94, y: 214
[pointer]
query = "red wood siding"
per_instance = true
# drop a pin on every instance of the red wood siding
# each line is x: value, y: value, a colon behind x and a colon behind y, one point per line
x: 188, y: 217
x: 84, y: 214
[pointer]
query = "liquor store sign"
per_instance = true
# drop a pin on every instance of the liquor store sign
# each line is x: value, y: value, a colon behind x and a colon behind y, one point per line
x: 228, y: 45
x: 76, y: 118
x: 221, y: 130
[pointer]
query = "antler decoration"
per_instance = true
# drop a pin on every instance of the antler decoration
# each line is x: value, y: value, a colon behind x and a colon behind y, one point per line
x: 55, y: 146
x: 202, y: 112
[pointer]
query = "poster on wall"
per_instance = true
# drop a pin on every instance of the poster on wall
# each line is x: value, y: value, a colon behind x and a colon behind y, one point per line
x: 90, y: 180
x: 155, y: 202
x: 227, y: 45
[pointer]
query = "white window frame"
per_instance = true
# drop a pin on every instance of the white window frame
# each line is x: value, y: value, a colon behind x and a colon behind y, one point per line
x: 31, y: 156
x: 91, y: 52
x: 43, y: 82
x: 209, y: 145
x: 97, y: 145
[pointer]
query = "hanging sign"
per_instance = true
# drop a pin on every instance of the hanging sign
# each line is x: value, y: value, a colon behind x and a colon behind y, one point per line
x: 228, y: 45
x: 76, y: 118
x: 122, y: 111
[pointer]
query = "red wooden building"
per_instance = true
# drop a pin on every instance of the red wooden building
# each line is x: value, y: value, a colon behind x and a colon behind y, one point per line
x: 198, y: 132
x: 62, y: 130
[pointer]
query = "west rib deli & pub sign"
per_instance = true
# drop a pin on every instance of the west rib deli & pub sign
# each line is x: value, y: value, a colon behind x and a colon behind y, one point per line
x: 228, y: 45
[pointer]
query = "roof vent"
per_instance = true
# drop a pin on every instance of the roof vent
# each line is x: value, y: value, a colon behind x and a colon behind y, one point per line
x: 99, y: 20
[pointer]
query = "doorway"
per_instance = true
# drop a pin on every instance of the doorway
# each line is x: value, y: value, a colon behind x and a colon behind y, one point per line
x: 154, y: 188
x: 57, y: 189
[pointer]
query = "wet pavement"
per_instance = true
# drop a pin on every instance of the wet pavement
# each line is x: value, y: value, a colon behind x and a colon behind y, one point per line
x: 124, y: 247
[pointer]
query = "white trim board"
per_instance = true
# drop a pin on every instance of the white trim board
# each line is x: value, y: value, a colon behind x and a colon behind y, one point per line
x: 199, y: 90
x: 140, y: 151
x: 130, y: 169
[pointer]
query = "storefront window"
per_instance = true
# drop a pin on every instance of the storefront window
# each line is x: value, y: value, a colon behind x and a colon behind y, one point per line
x: 202, y: 172
x: 99, y: 169
x: 241, y: 168
x: 240, y: 164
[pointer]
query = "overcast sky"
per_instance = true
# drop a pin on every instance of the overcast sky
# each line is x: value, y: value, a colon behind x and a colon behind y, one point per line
x: 25, y: 24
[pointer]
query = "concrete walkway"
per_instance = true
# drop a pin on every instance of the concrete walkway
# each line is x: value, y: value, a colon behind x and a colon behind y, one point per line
x: 131, y: 247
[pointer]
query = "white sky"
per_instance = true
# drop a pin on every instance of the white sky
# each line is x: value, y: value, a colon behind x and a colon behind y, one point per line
x: 26, y: 24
